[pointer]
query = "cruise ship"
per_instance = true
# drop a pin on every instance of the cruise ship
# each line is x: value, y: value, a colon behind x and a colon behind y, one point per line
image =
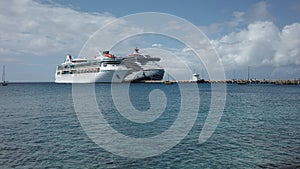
x: 105, y: 68
x: 143, y: 67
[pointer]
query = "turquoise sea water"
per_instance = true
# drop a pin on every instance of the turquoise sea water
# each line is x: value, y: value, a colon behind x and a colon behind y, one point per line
x: 260, y: 128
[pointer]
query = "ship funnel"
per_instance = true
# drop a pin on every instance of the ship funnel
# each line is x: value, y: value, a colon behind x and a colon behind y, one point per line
x: 136, y: 50
x: 68, y: 58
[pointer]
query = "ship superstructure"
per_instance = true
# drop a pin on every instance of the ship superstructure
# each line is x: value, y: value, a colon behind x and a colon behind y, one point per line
x: 105, y: 68
x: 143, y: 67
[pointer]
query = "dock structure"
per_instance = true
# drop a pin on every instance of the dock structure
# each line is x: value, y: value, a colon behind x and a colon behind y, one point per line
x: 235, y: 81
x: 264, y: 81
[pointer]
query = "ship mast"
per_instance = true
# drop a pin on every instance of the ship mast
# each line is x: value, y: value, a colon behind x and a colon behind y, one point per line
x: 248, y: 73
x: 3, y: 74
x: 4, y: 83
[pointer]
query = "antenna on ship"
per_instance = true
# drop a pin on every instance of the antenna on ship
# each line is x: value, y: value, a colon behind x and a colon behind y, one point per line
x: 136, y: 50
x: 100, y: 53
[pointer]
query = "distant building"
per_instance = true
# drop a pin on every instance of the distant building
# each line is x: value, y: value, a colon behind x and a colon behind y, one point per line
x: 195, y: 77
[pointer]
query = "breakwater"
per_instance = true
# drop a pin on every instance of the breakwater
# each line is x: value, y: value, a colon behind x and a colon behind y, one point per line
x: 252, y: 81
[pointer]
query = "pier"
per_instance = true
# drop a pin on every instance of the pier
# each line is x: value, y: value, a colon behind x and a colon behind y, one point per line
x: 250, y: 81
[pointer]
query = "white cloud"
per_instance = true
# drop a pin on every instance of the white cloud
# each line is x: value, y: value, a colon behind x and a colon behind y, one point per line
x: 288, y: 51
x: 187, y: 49
x: 260, y: 44
x: 30, y: 28
x: 158, y: 45
x: 250, y: 38
x: 259, y: 12
x: 240, y: 19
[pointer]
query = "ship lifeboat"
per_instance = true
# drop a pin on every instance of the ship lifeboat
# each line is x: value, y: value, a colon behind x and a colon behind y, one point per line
x: 109, y: 55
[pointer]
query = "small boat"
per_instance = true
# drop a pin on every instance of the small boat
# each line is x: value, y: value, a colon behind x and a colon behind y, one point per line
x: 242, y: 82
x: 4, y: 83
x: 167, y: 82
x: 197, y: 79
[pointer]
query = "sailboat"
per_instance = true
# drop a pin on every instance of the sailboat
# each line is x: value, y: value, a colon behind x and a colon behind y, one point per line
x: 4, y: 83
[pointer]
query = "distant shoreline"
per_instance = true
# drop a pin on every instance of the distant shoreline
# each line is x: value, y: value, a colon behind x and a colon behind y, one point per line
x: 233, y: 81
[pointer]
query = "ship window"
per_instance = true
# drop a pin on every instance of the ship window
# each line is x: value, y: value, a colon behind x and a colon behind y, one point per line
x: 65, y: 72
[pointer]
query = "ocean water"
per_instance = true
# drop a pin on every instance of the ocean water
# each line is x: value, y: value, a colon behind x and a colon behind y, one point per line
x: 259, y: 128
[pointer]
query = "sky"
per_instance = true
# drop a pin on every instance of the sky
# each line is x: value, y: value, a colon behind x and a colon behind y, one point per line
x: 35, y: 36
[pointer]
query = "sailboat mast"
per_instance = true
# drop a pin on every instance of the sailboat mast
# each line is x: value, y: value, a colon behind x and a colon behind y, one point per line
x: 4, y: 83
x: 248, y: 73
x: 3, y: 74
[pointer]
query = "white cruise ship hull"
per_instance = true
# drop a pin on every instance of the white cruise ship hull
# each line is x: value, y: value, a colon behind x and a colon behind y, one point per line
x: 108, y: 76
